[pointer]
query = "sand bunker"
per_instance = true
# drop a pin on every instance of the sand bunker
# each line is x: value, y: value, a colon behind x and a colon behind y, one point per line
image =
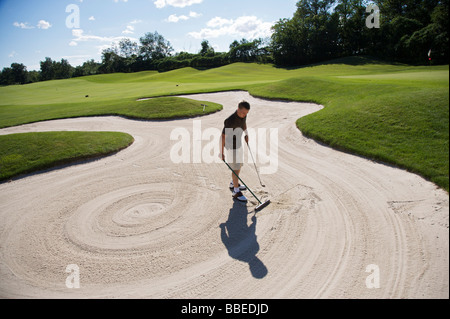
x: 138, y: 225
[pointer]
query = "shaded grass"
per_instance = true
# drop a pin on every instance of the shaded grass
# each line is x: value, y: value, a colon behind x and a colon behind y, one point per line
x: 30, y: 152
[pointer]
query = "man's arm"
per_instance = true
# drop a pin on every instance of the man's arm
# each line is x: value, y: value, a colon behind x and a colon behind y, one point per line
x: 222, y: 147
x: 246, y: 133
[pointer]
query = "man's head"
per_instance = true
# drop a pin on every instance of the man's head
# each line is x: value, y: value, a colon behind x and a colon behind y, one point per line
x: 243, y: 109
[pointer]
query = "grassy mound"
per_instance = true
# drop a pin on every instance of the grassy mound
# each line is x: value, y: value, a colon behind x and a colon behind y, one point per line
x: 153, y: 109
x: 30, y: 152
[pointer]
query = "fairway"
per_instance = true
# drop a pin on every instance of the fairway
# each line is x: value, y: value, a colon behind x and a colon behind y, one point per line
x: 423, y: 77
x: 112, y: 87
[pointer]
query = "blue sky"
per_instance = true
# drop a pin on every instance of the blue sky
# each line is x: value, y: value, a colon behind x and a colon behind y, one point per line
x: 33, y: 30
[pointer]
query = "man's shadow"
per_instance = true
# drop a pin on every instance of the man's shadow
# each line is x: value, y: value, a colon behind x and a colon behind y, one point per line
x: 241, y: 241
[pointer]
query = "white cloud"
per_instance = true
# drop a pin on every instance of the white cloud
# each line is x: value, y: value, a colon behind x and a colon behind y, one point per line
x: 12, y: 54
x: 102, y: 47
x: 79, y: 36
x: 92, y: 18
x: 77, y: 33
x: 194, y: 14
x: 75, y: 60
x: 67, y: 57
x: 249, y: 27
x: 128, y: 30
x: 174, y: 18
x: 23, y: 25
x: 42, y: 24
x: 101, y: 43
x: 218, y: 22
x: 176, y: 3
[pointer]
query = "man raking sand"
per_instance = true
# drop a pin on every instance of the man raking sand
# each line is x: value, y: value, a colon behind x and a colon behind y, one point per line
x: 234, y: 127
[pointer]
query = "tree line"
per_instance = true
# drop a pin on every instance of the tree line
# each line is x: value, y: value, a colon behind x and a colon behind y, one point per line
x: 320, y: 30
x: 153, y: 52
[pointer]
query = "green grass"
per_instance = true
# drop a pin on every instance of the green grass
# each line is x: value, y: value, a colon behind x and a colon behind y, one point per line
x: 31, y: 152
x: 393, y: 113
x: 114, y: 87
x: 400, y: 119
x: 153, y: 109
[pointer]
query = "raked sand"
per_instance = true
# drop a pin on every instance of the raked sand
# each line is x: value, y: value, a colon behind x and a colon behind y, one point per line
x: 139, y: 226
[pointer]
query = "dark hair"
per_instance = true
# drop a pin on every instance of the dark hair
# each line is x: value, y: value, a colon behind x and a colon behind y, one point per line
x: 244, y: 105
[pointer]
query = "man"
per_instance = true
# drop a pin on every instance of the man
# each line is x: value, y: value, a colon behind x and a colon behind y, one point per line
x: 235, y: 126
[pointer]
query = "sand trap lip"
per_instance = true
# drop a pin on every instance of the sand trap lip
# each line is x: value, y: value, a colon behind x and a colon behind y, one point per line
x: 138, y: 225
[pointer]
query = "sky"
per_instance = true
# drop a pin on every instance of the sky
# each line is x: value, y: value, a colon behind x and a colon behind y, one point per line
x: 79, y: 30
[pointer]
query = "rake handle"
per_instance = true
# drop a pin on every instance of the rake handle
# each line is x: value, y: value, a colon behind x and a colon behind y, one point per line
x: 242, y: 181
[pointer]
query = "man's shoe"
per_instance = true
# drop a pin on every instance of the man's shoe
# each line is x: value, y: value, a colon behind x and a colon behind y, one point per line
x: 240, y: 197
x: 241, y: 187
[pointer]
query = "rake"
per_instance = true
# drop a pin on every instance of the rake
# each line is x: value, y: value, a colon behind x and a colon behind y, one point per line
x: 261, y: 205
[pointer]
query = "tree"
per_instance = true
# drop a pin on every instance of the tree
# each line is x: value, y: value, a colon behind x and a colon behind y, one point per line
x: 245, y: 51
x: 411, y: 28
x: 6, y: 77
x: 419, y: 10
x: 112, y: 62
x: 87, y: 68
x: 310, y: 36
x: 320, y: 28
x: 128, y: 49
x: 33, y: 76
x: 63, y: 69
x: 180, y: 56
x: 47, y: 69
x: 440, y: 21
x: 18, y: 73
x: 353, y: 35
x: 326, y: 29
x: 288, y: 43
x: 154, y: 47
x: 207, y: 49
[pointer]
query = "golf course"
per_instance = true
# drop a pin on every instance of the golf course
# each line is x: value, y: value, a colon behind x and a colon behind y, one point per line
x: 86, y: 178
x: 396, y: 114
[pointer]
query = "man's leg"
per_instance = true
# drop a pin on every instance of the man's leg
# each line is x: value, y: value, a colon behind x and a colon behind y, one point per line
x: 237, y: 194
x: 235, y: 179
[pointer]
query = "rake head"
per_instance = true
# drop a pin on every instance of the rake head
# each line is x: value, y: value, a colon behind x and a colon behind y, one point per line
x: 262, y: 206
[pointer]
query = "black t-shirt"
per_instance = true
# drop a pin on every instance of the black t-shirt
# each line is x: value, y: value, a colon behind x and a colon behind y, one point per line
x: 239, y: 125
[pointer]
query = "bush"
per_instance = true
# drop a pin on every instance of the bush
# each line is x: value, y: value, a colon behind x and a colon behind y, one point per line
x: 169, y: 64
